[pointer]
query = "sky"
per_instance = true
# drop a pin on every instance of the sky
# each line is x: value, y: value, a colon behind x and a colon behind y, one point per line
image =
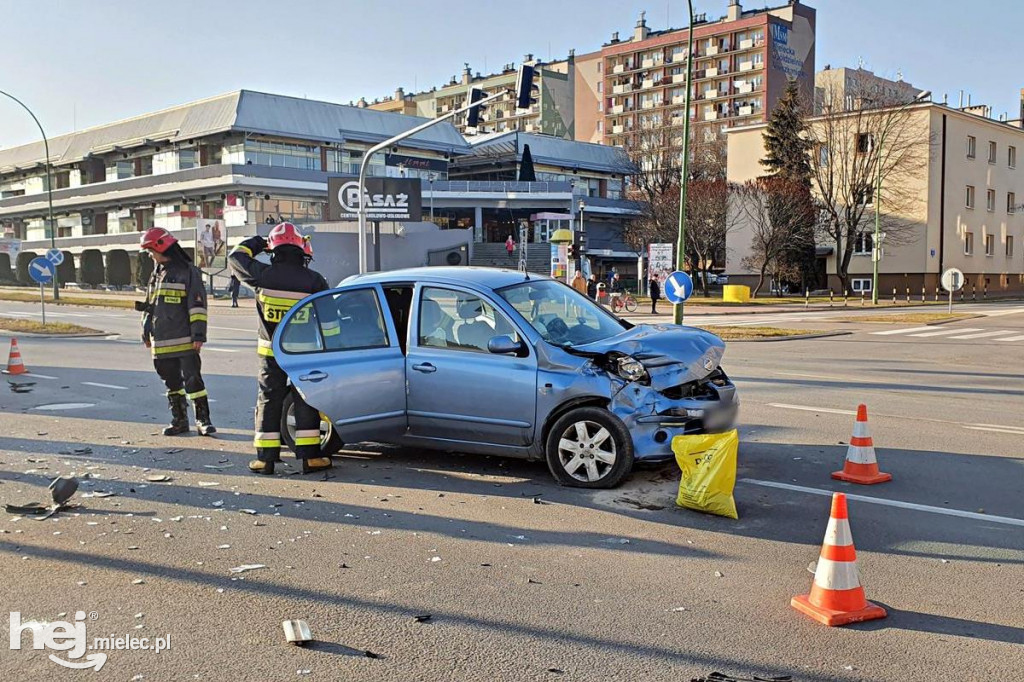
x: 80, y: 63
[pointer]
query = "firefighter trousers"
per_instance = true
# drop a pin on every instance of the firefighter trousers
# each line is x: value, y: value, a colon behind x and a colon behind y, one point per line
x: 273, y: 388
x: 182, y: 375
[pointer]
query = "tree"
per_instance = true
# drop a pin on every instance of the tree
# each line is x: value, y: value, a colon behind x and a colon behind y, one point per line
x: 90, y: 267
x: 787, y: 157
x: 773, y: 208
x: 856, y: 140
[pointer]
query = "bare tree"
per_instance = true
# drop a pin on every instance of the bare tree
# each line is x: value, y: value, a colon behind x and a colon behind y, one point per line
x: 856, y: 140
x: 774, y: 209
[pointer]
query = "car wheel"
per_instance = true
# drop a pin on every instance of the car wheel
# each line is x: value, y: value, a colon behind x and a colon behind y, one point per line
x: 589, y: 447
x: 330, y: 442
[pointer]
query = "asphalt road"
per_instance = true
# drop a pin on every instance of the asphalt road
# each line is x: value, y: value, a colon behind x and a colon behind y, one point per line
x: 590, y: 586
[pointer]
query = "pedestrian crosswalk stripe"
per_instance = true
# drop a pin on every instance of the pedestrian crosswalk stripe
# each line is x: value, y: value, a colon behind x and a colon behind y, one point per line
x: 943, y: 332
x: 889, y: 332
x: 1010, y: 338
x: 982, y: 335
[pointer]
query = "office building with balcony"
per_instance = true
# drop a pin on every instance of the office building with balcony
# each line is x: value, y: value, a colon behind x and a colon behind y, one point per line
x: 741, y: 64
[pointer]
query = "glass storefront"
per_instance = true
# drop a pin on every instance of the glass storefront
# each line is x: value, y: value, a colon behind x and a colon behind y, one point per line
x: 278, y: 209
x: 277, y: 154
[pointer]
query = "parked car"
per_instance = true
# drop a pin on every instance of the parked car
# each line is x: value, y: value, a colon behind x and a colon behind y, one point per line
x: 504, y: 363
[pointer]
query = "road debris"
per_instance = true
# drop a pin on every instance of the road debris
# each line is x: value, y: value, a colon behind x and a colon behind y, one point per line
x: 158, y: 478
x: 297, y: 631
x: 424, y: 618
x: 244, y: 568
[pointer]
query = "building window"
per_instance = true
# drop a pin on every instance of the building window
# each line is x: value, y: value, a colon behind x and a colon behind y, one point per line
x: 972, y: 144
x: 968, y: 243
x: 865, y: 196
x: 970, y: 196
x: 861, y: 285
x: 991, y: 152
x: 1011, y: 202
x: 990, y: 200
x: 862, y: 244
x: 865, y: 143
x: 1009, y: 246
x: 1011, y: 157
x: 990, y: 245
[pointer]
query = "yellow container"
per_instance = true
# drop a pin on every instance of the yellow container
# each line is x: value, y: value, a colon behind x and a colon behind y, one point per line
x: 736, y: 293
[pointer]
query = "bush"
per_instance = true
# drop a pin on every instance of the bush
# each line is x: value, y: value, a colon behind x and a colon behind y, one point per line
x: 24, y: 258
x: 66, y: 270
x: 5, y: 267
x: 91, y: 267
x: 119, y: 267
x: 144, y: 269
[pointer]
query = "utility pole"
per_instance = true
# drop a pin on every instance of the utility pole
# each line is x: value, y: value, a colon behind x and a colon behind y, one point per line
x: 677, y: 309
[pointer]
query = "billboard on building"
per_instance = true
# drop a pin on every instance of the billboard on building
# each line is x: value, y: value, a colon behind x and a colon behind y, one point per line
x: 12, y: 247
x: 388, y: 199
x: 210, y: 240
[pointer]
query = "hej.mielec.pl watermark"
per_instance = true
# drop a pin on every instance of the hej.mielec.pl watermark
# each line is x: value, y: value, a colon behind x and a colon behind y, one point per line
x: 66, y: 636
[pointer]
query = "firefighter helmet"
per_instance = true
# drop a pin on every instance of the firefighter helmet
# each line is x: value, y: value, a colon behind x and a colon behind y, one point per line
x: 284, y: 234
x: 158, y: 239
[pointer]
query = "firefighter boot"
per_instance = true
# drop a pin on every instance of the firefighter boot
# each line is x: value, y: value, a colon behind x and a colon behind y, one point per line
x: 314, y: 464
x: 203, y: 423
x: 258, y: 466
x: 179, y: 415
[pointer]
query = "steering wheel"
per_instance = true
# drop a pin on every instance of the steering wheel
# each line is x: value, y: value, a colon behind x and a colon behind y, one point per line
x: 558, y: 331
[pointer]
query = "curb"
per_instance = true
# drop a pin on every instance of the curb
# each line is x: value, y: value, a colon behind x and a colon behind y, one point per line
x: 959, y: 319
x: 799, y: 337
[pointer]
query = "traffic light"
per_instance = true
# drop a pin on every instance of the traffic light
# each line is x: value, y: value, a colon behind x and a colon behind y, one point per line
x: 580, y: 242
x: 473, y: 115
x: 570, y: 251
x: 524, y: 87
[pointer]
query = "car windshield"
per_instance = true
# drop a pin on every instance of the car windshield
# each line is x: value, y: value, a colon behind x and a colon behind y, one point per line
x: 560, y: 314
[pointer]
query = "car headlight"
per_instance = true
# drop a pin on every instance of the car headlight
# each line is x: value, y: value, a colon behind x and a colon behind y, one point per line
x: 631, y: 369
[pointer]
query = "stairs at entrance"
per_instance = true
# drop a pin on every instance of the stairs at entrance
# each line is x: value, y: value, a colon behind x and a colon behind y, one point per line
x: 495, y: 256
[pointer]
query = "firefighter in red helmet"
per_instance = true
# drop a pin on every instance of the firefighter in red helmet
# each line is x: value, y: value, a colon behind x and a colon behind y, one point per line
x: 279, y: 286
x: 174, y: 328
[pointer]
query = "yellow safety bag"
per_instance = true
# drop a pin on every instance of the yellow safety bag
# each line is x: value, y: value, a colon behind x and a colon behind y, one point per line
x: 708, y: 464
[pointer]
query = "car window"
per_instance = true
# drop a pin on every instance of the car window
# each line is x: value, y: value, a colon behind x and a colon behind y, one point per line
x: 346, y: 320
x: 459, y: 321
x: 560, y: 314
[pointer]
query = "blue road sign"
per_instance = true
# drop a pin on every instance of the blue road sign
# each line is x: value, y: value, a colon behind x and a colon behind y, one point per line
x: 41, y: 270
x: 678, y: 287
x: 55, y: 256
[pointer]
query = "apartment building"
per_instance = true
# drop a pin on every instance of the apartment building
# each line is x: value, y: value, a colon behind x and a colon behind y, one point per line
x: 741, y: 63
x: 965, y: 207
x: 553, y: 113
x: 858, y: 88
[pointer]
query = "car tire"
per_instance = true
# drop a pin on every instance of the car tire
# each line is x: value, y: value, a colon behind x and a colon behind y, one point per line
x: 604, y: 462
x: 330, y: 442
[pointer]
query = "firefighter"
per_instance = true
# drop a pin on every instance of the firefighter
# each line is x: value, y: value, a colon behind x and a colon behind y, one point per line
x: 279, y: 286
x: 174, y: 328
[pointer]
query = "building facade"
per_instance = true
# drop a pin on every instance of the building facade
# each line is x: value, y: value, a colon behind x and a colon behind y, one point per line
x: 858, y: 88
x: 964, y: 208
x: 741, y: 63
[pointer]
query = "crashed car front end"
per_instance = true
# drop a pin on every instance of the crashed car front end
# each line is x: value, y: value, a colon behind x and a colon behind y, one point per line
x: 665, y: 382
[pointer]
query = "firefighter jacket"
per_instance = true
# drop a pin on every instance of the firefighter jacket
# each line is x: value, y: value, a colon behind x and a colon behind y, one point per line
x: 175, y: 310
x: 278, y: 286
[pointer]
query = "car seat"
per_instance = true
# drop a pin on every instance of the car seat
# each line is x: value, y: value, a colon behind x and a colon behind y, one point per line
x: 471, y: 332
x: 431, y: 331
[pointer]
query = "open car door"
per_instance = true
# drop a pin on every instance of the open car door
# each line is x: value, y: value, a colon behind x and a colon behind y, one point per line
x: 341, y: 352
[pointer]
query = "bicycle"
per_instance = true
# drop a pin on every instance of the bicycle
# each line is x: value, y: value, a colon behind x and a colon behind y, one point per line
x: 620, y: 301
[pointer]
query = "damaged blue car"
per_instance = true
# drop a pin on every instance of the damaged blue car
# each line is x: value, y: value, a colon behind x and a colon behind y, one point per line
x: 500, y: 362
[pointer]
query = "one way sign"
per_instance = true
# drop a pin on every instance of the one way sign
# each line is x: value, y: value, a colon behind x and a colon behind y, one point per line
x: 678, y: 287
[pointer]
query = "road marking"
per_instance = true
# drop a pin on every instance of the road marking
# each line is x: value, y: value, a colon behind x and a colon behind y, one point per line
x: 808, y: 408
x: 997, y: 429
x: 63, y: 406
x: 903, y: 331
x: 1000, y: 313
x: 945, y: 331
x: 219, y: 350
x: 891, y: 503
x: 1011, y: 338
x: 40, y: 376
x: 982, y: 335
x: 809, y: 376
x: 234, y: 329
x: 93, y: 383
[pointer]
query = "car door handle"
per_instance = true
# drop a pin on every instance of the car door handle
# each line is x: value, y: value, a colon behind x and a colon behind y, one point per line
x: 314, y: 376
x: 425, y: 367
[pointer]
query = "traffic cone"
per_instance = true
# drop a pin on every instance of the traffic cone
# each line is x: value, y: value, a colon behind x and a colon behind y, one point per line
x: 15, y: 365
x: 861, y: 465
x: 836, y: 596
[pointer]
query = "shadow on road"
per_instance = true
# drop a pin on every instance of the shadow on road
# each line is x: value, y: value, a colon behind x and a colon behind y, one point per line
x: 899, y: 619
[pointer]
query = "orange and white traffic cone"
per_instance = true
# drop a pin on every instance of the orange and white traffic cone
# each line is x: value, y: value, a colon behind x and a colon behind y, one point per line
x: 861, y: 466
x: 836, y: 596
x: 15, y: 365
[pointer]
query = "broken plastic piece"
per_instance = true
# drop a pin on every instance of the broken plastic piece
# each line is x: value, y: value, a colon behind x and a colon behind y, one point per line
x: 62, y: 489
x: 297, y: 632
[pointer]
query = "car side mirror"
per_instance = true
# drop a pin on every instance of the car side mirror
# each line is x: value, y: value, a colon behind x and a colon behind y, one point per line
x: 506, y: 345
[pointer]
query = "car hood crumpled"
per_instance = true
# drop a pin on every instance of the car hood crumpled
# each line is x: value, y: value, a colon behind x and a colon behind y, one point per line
x: 673, y: 355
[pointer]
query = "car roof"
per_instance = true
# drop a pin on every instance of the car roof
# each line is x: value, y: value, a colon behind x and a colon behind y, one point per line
x: 491, y: 278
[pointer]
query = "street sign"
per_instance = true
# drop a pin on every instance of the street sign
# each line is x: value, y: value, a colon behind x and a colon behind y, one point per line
x: 55, y: 256
x: 952, y: 280
x: 41, y: 270
x: 386, y: 199
x: 678, y: 287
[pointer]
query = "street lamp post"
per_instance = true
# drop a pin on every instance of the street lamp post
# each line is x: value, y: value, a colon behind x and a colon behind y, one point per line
x: 583, y: 238
x: 677, y: 309
x: 431, y: 176
x: 876, y: 240
x: 49, y: 188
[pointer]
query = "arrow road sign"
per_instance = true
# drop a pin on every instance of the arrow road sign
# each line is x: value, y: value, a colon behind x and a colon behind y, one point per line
x: 41, y: 270
x: 55, y: 256
x: 678, y: 287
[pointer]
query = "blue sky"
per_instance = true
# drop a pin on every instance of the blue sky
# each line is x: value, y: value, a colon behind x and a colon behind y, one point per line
x: 79, y: 64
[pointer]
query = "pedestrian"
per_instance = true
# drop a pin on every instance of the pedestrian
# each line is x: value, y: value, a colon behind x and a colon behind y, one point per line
x: 234, y: 288
x: 579, y: 284
x: 279, y: 286
x: 510, y: 246
x: 592, y: 287
x: 612, y: 275
x: 174, y: 328
x: 655, y: 291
